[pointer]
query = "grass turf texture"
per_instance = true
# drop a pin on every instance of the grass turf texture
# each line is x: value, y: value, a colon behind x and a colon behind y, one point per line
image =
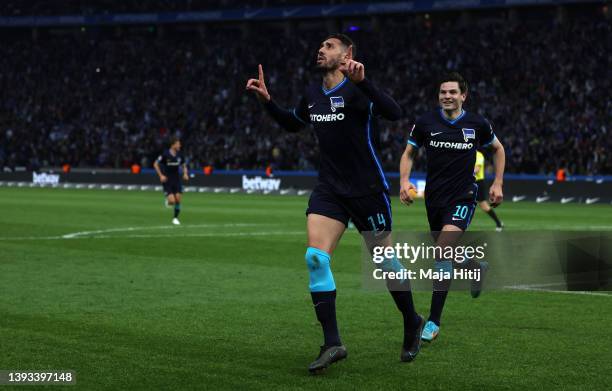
x: 222, y: 301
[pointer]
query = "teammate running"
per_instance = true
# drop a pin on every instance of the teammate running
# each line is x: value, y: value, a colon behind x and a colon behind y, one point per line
x: 450, y: 136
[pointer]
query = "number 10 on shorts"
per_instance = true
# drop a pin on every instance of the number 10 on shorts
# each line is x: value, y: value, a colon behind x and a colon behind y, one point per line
x: 461, y: 211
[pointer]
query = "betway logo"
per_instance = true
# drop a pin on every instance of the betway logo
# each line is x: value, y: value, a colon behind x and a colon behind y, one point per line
x: 43, y: 178
x: 326, y: 117
x: 259, y: 183
x: 449, y: 145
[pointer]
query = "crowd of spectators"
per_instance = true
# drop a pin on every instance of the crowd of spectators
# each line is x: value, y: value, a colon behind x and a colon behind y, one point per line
x: 110, y: 100
x: 91, y: 7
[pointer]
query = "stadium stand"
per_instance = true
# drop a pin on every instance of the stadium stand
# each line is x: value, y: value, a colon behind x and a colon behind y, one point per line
x: 110, y: 97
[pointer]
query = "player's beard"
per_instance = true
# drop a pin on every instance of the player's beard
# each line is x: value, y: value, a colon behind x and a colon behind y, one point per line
x: 328, y: 66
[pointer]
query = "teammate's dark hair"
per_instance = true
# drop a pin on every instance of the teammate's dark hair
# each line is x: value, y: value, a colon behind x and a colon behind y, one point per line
x: 346, y: 41
x: 174, y: 140
x: 455, y: 76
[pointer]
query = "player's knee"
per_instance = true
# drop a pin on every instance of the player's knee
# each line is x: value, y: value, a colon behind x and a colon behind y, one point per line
x: 321, y: 278
x: 398, y: 282
x: 392, y: 265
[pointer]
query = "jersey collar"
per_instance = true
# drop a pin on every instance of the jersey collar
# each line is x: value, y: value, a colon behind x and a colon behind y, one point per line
x: 452, y: 122
x: 327, y: 92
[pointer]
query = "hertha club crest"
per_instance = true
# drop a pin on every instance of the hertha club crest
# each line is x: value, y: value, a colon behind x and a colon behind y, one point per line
x: 336, y: 102
x: 468, y: 134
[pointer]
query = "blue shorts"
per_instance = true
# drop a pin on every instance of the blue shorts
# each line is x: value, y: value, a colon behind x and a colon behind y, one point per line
x: 172, y: 187
x: 459, y: 214
x: 368, y: 213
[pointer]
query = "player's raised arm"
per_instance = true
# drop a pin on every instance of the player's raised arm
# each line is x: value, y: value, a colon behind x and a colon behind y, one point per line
x: 288, y: 119
x: 407, y: 189
x: 496, y: 194
x: 382, y: 104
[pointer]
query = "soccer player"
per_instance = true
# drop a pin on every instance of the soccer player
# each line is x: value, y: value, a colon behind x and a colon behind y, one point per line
x: 481, y: 198
x: 450, y: 136
x: 343, y: 112
x: 167, y: 168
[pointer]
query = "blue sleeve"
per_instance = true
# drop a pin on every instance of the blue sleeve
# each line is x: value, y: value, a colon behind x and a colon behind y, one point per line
x: 382, y: 104
x: 301, y: 112
x: 486, y: 135
x: 292, y: 120
x: 416, y: 138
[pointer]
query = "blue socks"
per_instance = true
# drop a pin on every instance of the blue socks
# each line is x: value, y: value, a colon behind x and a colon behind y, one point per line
x: 323, y: 294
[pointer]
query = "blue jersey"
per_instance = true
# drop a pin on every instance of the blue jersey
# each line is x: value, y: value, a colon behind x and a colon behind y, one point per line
x: 169, y: 164
x: 451, y: 153
x: 344, y: 120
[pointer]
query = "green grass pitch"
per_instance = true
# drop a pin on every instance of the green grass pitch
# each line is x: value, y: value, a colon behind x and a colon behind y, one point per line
x: 130, y: 302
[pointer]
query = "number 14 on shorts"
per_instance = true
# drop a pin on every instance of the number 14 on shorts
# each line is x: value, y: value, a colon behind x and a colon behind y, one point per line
x: 380, y: 218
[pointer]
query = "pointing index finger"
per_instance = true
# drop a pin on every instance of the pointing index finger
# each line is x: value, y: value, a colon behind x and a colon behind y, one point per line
x: 261, y: 74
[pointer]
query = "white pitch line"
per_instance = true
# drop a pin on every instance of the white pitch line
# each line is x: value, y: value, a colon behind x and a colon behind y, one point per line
x: 19, y: 238
x: 143, y: 228
x: 523, y: 228
x: 536, y: 289
x: 205, y: 234
x: 209, y: 234
x: 76, y: 235
x: 529, y: 286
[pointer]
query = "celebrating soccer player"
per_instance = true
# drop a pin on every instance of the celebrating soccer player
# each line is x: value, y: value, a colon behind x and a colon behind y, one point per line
x: 352, y: 185
x: 167, y: 168
x: 450, y: 136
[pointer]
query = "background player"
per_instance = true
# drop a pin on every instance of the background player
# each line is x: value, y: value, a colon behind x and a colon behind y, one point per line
x: 481, y: 197
x: 343, y: 113
x: 167, y: 168
x: 450, y: 136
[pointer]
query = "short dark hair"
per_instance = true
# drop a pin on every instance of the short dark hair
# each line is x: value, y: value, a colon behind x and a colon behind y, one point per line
x: 174, y: 140
x: 455, y: 76
x: 345, y: 39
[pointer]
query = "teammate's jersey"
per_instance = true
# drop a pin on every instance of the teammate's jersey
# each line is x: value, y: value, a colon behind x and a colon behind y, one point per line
x: 344, y: 122
x: 169, y: 164
x: 480, y: 161
x: 451, y: 153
